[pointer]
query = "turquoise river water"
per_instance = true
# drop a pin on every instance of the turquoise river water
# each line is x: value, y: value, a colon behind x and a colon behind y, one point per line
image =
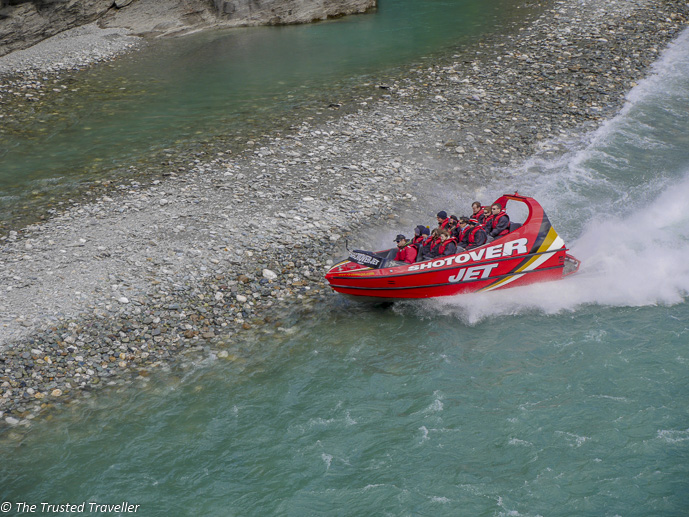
x: 115, y: 120
x: 559, y: 399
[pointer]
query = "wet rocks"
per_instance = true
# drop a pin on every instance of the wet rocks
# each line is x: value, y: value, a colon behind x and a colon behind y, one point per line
x: 269, y: 275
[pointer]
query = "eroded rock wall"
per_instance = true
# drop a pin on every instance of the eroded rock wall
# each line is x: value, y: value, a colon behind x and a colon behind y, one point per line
x: 275, y: 12
x: 26, y: 22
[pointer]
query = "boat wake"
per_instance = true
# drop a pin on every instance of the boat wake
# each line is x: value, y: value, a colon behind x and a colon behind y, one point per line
x: 632, y: 261
x: 618, y: 197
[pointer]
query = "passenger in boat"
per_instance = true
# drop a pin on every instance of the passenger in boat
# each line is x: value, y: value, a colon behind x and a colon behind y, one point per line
x: 487, y: 216
x: 420, y: 233
x: 443, y: 219
x: 477, y: 211
x: 406, y: 250
x: 461, y: 231
x: 499, y: 222
x: 448, y: 244
x: 430, y: 245
x: 476, y: 236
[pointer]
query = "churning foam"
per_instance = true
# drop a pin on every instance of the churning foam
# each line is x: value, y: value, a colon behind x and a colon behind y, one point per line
x: 627, y: 160
x: 627, y: 224
x: 637, y: 260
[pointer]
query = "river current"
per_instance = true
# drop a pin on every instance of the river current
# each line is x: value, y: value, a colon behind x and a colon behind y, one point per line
x: 559, y: 399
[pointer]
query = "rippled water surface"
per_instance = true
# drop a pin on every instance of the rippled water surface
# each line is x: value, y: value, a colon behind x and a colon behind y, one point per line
x: 558, y: 399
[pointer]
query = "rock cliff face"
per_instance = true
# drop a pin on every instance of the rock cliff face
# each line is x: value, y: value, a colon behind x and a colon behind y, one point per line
x: 26, y: 22
x: 275, y: 12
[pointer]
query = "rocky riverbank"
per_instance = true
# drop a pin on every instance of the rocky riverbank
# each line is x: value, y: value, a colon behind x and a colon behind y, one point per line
x: 70, y: 50
x: 231, y: 244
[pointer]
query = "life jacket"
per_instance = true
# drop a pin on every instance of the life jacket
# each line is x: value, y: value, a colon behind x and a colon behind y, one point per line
x: 425, y: 243
x: 418, y: 240
x: 427, y: 240
x: 480, y: 216
x: 443, y: 245
x: 429, y: 247
x: 472, y: 234
x: 461, y: 233
x: 445, y: 223
x: 487, y: 222
x: 494, y: 222
x: 409, y: 251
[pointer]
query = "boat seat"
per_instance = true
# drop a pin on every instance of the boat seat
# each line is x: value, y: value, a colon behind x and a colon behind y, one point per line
x: 390, y: 255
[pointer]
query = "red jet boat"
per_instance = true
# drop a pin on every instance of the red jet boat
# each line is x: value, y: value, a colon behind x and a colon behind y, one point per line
x: 531, y: 252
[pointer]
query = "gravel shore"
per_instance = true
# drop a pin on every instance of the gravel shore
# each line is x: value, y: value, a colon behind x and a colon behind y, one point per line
x: 110, y: 290
x: 70, y: 50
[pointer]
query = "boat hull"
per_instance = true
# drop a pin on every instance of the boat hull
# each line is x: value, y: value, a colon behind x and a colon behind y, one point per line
x: 532, y: 253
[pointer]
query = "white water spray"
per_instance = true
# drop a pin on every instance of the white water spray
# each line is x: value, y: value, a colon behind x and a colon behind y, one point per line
x: 637, y: 260
x: 623, y: 189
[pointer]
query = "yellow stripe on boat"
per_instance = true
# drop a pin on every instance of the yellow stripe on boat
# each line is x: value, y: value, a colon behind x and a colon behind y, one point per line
x: 552, y: 243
